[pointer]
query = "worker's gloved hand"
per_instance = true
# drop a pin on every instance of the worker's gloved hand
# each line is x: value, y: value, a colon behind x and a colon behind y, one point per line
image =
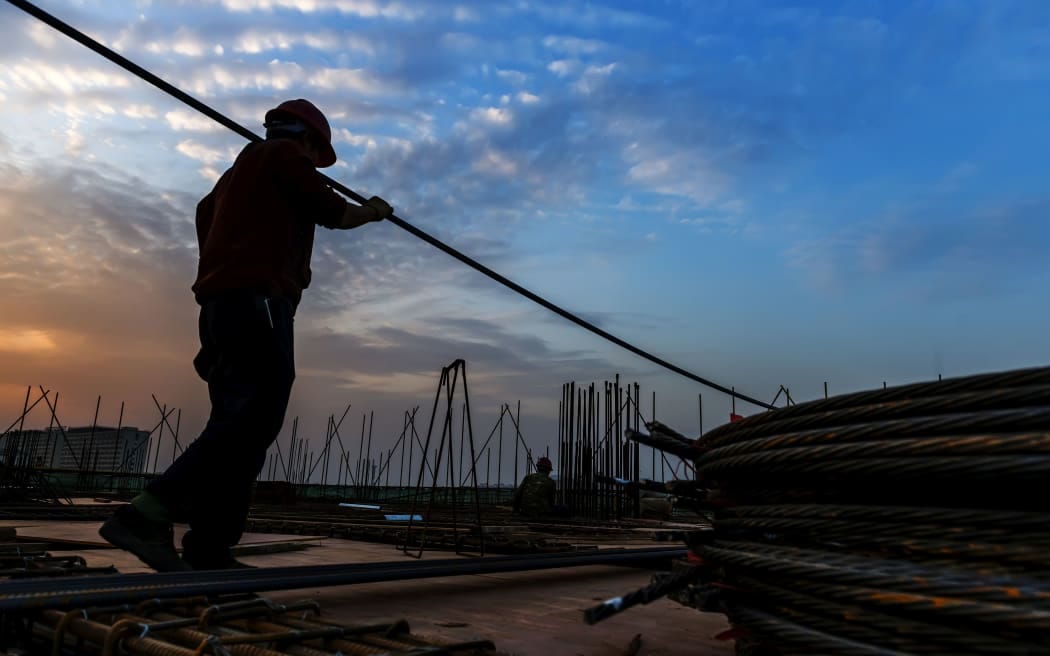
x: 381, y: 207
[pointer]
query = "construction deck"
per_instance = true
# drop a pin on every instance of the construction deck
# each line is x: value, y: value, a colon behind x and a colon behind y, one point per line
x: 528, y: 613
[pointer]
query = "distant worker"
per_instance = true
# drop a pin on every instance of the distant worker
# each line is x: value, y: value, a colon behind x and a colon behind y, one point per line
x: 535, y: 495
x: 655, y: 505
x: 255, y: 231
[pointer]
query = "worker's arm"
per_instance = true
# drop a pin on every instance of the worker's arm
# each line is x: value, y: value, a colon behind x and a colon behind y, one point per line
x: 205, y: 216
x: 206, y: 210
x: 355, y: 216
x: 317, y: 202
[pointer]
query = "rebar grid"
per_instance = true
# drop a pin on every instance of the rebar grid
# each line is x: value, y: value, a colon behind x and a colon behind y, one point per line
x: 243, y: 627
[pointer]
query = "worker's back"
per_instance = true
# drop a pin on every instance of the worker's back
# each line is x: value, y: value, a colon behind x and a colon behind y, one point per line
x: 535, y: 494
x: 256, y: 228
x: 654, y: 505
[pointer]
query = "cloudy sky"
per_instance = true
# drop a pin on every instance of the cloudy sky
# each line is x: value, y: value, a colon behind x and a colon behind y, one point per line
x: 764, y: 193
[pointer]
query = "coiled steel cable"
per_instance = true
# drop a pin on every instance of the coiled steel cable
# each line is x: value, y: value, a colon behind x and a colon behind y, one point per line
x: 894, y: 521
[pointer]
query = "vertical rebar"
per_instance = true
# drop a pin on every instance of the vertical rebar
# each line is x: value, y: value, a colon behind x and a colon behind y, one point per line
x: 325, y: 455
x: 499, y: 456
x: 51, y: 425
x: 389, y: 455
x: 368, y: 455
x: 633, y: 448
x: 488, y: 469
x: 585, y: 462
x: 94, y: 426
x: 517, y: 456
x: 404, y: 442
x: 120, y: 426
x: 559, y: 486
x: 607, y: 445
x: 594, y: 411
x: 178, y: 424
x: 360, y: 456
x: 288, y: 466
x: 700, y: 412
x: 581, y: 450
x: 462, y: 433
x: 570, y: 447
x: 411, y: 449
x: 160, y: 435
x: 338, y: 463
x: 14, y: 445
x: 517, y: 434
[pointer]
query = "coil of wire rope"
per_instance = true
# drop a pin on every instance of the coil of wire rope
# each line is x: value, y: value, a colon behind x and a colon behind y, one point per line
x: 908, y: 520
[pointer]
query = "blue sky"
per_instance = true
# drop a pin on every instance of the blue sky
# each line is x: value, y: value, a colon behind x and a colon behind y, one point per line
x: 764, y: 193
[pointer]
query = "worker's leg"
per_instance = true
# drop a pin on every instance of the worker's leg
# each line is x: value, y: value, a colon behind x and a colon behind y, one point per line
x: 249, y: 386
x: 145, y: 526
x: 247, y: 359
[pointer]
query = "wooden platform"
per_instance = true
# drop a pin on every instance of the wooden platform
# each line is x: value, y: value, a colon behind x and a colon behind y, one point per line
x: 529, y: 614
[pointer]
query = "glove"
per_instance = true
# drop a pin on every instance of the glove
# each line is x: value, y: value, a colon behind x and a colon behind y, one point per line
x: 381, y: 207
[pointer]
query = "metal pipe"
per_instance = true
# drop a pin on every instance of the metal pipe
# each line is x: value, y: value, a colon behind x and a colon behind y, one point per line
x: 145, y: 75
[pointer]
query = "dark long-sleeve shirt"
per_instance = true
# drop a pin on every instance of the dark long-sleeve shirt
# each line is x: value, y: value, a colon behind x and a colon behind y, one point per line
x: 255, y: 229
x: 535, y: 495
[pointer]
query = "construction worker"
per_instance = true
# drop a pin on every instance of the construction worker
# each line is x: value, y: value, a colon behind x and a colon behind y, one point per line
x: 255, y: 231
x: 655, y: 505
x: 535, y: 494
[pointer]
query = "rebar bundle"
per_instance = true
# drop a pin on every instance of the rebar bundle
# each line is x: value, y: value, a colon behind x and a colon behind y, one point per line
x: 904, y: 520
x: 247, y: 627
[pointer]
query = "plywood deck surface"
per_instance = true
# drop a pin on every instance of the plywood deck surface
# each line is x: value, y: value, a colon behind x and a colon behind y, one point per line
x: 86, y: 533
x: 530, y: 613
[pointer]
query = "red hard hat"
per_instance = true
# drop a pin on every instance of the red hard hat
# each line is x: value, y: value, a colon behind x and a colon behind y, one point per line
x: 544, y: 463
x: 305, y: 111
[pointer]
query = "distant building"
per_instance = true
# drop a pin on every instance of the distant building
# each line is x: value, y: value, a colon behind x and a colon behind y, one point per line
x: 100, y: 448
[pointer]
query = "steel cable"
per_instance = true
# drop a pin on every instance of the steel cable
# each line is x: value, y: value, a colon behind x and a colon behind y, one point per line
x: 955, y: 425
x: 775, y: 424
x: 802, y: 639
x: 890, y: 574
x: 1018, y: 468
x: 1026, y: 521
x: 182, y: 96
x: 927, y: 541
x: 904, y: 520
x: 851, y: 605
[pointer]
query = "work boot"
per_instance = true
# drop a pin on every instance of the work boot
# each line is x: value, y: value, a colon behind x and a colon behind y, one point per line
x: 150, y: 541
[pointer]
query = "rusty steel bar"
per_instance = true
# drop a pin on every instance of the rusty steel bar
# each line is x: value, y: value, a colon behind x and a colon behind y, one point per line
x: 253, y: 627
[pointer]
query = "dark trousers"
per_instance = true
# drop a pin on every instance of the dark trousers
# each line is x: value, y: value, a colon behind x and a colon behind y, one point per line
x: 247, y: 359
